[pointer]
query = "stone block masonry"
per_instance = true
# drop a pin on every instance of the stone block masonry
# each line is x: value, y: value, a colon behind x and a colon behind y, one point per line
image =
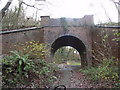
x: 79, y: 33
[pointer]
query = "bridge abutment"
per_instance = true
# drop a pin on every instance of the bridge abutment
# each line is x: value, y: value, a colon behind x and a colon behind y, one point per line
x: 68, y: 32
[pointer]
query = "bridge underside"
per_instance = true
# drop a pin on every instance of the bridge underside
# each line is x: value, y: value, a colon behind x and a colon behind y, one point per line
x: 72, y: 41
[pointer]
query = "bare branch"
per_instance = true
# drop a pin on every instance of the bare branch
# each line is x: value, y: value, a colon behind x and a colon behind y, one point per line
x: 117, y: 3
x: 117, y: 6
x: 106, y: 12
x: 31, y: 5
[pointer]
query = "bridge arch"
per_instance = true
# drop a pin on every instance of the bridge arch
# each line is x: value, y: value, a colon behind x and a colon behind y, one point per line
x: 73, y: 41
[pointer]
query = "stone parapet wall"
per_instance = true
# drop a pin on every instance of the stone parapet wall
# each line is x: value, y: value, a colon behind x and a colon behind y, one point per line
x: 15, y: 37
x: 87, y: 20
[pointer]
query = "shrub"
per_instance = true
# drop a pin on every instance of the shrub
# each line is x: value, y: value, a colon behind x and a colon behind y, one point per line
x: 106, y: 71
x: 18, y: 68
x: 34, y: 49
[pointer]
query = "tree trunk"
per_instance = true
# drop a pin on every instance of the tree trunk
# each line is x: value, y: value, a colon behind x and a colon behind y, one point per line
x: 6, y: 7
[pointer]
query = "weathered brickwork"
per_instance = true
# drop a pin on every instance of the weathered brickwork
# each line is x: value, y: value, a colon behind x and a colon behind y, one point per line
x: 82, y: 31
x: 15, y: 38
x: 78, y: 33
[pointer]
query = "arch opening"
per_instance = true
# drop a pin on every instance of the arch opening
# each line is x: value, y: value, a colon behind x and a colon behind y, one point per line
x: 69, y: 40
x: 67, y: 55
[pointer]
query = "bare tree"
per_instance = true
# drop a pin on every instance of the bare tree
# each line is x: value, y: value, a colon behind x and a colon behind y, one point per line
x: 20, y: 4
x: 15, y: 17
x: 6, y: 7
x: 117, y: 5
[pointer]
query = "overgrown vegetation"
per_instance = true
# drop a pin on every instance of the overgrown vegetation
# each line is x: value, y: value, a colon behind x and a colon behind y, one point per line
x: 22, y: 69
x: 104, y: 62
x: 109, y: 24
x: 107, y: 72
x: 66, y: 54
x: 35, y: 49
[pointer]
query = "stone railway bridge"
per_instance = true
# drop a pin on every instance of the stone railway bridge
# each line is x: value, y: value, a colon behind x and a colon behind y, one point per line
x: 77, y: 33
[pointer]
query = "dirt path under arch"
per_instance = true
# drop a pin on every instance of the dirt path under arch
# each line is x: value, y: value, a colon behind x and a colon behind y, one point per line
x: 72, y: 78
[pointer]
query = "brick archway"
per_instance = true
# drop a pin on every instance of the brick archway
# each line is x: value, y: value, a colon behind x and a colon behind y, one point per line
x: 69, y: 40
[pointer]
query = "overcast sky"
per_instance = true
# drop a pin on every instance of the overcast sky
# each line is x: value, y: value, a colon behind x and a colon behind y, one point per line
x: 73, y: 9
